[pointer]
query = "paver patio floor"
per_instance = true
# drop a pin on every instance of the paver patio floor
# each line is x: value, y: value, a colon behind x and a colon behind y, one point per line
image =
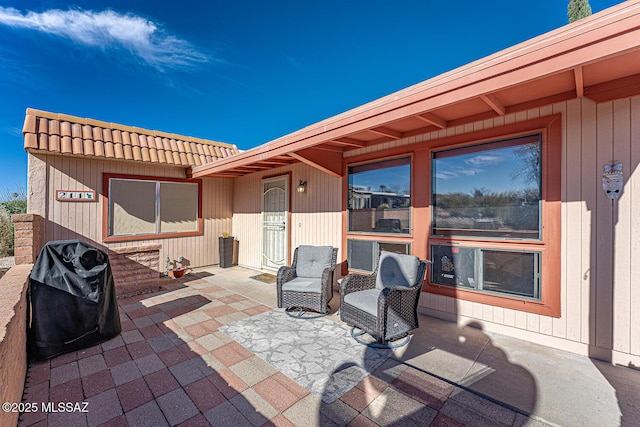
x: 171, y: 365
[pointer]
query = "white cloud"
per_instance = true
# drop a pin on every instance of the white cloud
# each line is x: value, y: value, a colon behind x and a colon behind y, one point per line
x: 483, y: 160
x: 470, y: 172
x: 12, y: 130
x: 108, y: 29
x: 457, y: 172
x: 446, y: 175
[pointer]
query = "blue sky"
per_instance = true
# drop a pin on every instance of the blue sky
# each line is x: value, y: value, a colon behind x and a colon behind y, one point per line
x: 496, y: 169
x: 243, y: 72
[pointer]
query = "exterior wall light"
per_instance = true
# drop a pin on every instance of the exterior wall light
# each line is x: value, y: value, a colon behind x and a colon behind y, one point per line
x: 302, y: 187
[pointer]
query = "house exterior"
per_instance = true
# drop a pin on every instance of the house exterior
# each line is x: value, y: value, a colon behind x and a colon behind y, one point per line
x: 494, y: 171
x: 74, y: 162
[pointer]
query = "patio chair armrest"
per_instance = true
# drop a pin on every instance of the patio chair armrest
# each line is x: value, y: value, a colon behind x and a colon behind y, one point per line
x: 399, y: 289
x: 327, y: 275
x: 285, y: 274
x: 397, y: 296
x: 357, y: 282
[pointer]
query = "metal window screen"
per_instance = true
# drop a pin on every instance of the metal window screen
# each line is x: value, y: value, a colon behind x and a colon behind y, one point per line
x: 178, y: 207
x: 132, y: 207
x: 361, y: 255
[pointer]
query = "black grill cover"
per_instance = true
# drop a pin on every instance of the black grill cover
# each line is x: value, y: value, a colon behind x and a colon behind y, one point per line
x: 72, y: 298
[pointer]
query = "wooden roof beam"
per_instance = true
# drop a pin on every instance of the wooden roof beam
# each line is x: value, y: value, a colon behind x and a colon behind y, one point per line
x: 271, y: 163
x: 227, y: 175
x: 327, y: 161
x: 577, y: 74
x: 433, y: 120
x: 384, y: 131
x: 326, y: 147
x: 349, y: 141
x: 248, y: 169
x: 254, y: 166
x: 615, y: 89
x: 495, y: 105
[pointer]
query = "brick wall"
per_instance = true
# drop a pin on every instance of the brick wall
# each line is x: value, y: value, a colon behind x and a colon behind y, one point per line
x: 27, y: 237
x: 135, y: 268
x: 13, y: 338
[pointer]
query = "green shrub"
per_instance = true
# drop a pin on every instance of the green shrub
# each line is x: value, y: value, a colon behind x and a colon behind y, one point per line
x: 6, y: 233
x: 15, y: 206
x: 11, y: 202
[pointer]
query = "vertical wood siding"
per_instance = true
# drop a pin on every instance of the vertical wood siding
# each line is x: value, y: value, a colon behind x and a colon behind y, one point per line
x: 83, y: 220
x: 633, y: 186
x: 316, y: 217
x: 600, y: 289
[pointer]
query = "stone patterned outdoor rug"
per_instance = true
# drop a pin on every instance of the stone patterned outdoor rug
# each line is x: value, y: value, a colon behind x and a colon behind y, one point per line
x: 317, y: 353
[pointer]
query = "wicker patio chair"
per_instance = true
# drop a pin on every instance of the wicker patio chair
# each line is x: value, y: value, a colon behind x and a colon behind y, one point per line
x: 384, y: 304
x: 308, y: 283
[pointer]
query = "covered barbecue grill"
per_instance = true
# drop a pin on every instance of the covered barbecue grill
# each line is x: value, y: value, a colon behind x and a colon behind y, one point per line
x: 72, y: 299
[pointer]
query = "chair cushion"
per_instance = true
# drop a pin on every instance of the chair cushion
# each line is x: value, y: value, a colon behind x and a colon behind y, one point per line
x: 366, y: 300
x: 396, y: 270
x: 312, y: 260
x: 303, y: 284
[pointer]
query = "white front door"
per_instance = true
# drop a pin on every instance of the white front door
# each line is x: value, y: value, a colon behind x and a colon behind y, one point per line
x: 275, y: 224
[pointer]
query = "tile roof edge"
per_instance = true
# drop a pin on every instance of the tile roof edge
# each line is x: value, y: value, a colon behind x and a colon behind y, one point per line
x: 39, y: 151
x: 110, y: 125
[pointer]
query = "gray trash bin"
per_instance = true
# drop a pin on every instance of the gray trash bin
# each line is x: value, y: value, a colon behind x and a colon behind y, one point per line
x: 226, y: 251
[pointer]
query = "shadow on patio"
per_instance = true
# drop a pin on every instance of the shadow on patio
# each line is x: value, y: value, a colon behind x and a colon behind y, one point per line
x: 173, y: 366
x: 169, y: 365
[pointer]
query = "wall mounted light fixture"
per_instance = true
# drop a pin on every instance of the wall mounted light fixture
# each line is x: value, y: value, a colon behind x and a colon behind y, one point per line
x: 302, y: 186
x: 612, y: 179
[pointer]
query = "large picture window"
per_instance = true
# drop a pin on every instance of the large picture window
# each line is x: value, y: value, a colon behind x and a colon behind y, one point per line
x: 494, y: 216
x: 488, y: 190
x: 380, y: 197
x: 142, y: 207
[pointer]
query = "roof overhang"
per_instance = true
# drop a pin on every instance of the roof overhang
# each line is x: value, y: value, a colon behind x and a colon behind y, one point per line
x: 597, y: 57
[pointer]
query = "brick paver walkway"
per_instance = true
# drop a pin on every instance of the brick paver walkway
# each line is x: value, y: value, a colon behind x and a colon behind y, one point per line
x: 172, y: 366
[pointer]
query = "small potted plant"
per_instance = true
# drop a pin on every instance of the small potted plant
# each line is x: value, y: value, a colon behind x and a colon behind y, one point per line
x: 176, y: 272
x: 225, y: 246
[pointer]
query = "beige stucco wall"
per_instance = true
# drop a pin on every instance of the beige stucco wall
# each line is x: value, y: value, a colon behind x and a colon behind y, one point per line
x: 83, y: 220
x: 600, y: 288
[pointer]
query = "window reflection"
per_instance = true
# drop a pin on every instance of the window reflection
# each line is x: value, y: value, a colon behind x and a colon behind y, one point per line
x: 380, y: 197
x: 514, y: 273
x: 364, y: 254
x: 488, y: 190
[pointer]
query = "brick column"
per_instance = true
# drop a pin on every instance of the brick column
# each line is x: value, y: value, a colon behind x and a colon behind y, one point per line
x: 27, y: 240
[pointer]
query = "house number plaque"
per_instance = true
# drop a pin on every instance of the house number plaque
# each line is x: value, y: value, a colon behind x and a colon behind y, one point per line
x: 75, y: 196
